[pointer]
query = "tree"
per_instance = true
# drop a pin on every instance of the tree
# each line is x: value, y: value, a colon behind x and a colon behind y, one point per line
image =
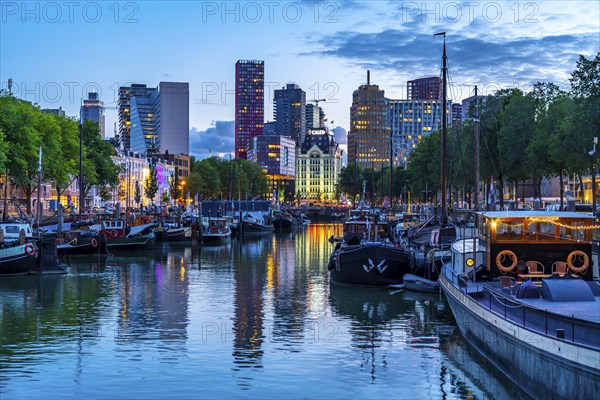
x: 174, y: 186
x: 151, y: 184
x: 98, y: 166
x: 137, y: 193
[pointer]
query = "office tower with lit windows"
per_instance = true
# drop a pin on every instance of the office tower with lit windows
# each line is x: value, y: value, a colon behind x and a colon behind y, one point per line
x: 369, y: 138
x: 410, y: 121
x: 276, y: 154
x: 249, y: 103
x: 125, y: 94
x: 429, y: 88
x: 154, y: 120
x: 93, y: 109
x: 289, y: 112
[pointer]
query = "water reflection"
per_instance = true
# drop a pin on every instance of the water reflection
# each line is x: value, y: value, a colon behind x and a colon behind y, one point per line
x: 259, y: 312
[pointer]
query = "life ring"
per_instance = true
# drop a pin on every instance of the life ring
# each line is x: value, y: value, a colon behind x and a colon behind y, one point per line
x: 94, y: 242
x: 30, y: 249
x: 501, y: 257
x: 581, y: 255
x: 114, y: 233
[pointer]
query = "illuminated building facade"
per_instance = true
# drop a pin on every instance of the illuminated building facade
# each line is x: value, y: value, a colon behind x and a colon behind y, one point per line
x: 318, y: 164
x: 424, y: 89
x: 290, y: 112
x: 410, y: 121
x: 125, y: 94
x: 155, y: 120
x: 249, y: 103
x: 315, y: 117
x: 277, y: 155
x: 369, y: 136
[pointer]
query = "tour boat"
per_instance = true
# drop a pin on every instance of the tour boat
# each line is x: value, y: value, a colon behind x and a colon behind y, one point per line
x: 544, y: 333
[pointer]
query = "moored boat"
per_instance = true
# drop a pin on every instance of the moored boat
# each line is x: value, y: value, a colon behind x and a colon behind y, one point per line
x: 121, y: 238
x: 254, y: 222
x: 543, y: 334
x: 217, y: 231
x: 420, y: 284
x: 18, y: 251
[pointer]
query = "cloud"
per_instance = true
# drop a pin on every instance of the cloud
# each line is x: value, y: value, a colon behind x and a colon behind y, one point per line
x: 217, y: 139
x: 340, y: 135
x: 471, y: 59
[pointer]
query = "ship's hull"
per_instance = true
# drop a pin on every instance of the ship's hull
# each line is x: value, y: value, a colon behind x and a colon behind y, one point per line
x: 545, y: 367
x: 14, y: 260
x: 369, y: 265
x: 251, y: 227
x: 131, y: 244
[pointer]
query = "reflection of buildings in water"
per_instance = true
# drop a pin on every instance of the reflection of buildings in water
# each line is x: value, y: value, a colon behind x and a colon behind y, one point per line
x: 215, y: 254
x: 288, y: 292
x: 468, y: 374
x: 250, y: 263
x: 154, y: 297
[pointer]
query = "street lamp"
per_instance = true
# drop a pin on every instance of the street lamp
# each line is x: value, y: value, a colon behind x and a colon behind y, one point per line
x: 592, y: 153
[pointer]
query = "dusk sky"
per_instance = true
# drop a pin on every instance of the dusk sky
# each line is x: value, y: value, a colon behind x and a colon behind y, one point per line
x: 55, y: 52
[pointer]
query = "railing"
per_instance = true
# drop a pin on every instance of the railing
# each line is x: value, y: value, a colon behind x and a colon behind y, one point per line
x: 570, y: 329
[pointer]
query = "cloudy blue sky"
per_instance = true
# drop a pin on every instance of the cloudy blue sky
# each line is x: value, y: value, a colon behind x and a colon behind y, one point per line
x: 57, y: 51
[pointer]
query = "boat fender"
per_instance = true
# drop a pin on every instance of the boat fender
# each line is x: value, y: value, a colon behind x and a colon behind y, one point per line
x: 30, y: 249
x: 582, y: 256
x: 502, y: 256
x: 94, y: 242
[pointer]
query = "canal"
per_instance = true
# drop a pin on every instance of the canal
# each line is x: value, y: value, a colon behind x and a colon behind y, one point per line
x: 251, y: 319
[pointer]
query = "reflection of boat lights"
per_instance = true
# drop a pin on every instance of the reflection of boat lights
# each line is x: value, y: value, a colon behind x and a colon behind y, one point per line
x: 182, y: 273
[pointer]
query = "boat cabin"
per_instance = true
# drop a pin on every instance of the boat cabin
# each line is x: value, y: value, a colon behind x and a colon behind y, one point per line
x: 536, y: 243
x: 13, y: 231
x: 217, y: 225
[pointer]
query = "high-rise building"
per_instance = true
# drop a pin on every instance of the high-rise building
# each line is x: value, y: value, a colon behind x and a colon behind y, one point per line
x: 468, y: 109
x: 315, y: 117
x: 93, y: 109
x: 154, y: 120
x: 277, y: 155
x: 410, y: 121
x: 429, y: 88
x: 249, y: 103
x: 125, y: 95
x: 369, y: 136
x: 289, y: 112
x: 270, y: 129
x: 172, y: 117
x: 318, y: 165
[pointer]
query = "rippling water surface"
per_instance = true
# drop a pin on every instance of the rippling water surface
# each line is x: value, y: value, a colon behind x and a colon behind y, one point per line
x: 250, y: 319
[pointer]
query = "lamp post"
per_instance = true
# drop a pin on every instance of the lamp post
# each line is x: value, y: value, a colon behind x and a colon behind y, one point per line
x: 593, y: 154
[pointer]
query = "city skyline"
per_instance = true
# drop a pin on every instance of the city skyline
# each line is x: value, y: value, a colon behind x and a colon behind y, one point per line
x: 324, y: 47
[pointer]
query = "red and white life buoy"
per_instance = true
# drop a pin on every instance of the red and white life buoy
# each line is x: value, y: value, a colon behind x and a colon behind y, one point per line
x: 30, y: 249
x: 94, y: 242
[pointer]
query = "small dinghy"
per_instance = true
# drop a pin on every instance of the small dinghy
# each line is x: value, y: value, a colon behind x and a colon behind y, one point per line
x: 419, y: 284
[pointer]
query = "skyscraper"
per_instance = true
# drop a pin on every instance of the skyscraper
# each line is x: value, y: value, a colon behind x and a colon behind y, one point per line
x: 289, y: 112
x: 315, y: 117
x: 424, y: 89
x: 155, y: 120
x: 369, y: 136
x: 249, y: 103
x: 93, y: 109
x: 410, y: 121
x: 125, y: 95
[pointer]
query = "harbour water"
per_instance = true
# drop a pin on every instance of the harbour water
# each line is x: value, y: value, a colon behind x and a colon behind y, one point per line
x: 251, y: 319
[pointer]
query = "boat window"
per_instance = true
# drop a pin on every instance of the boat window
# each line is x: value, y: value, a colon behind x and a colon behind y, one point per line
x: 509, y: 230
x: 12, y: 229
x: 573, y: 230
x: 540, y: 231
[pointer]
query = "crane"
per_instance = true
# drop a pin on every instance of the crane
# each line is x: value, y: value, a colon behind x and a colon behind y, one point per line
x: 317, y: 101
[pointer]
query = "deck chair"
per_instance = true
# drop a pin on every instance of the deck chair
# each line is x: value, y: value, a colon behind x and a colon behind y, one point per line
x: 535, y: 267
x: 559, y: 267
x: 507, y: 282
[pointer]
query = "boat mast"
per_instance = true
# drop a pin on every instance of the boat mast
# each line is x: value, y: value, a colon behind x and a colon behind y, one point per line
x: 80, y: 168
x: 476, y: 146
x: 444, y: 218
